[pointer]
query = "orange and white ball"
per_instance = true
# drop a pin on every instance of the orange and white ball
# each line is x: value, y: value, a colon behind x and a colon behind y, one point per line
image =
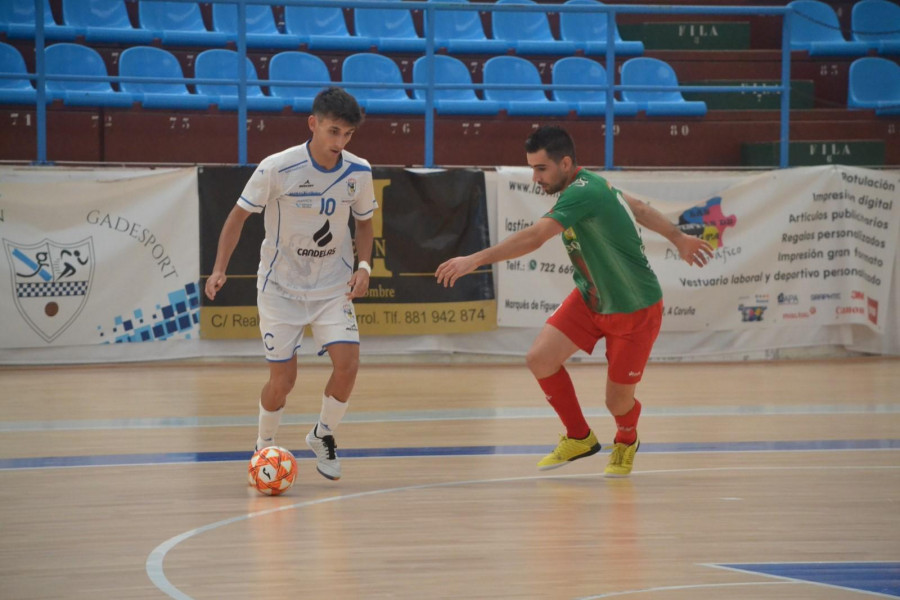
x: 272, y: 470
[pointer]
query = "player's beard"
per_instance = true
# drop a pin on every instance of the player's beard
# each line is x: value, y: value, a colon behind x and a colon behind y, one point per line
x: 555, y: 187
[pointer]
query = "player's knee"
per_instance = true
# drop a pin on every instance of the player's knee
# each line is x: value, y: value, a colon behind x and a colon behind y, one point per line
x: 539, y: 364
x: 347, y: 367
x: 282, y: 386
x: 619, y: 403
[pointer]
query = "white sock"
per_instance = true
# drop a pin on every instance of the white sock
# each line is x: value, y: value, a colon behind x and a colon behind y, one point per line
x: 332, y: 412
x: 268, y: 425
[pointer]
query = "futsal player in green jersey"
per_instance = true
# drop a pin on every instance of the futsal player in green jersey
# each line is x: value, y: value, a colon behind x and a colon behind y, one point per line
x: 617, y: 295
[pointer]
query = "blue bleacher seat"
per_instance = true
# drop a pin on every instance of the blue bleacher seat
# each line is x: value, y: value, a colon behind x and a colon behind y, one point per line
x: 261, y: 29
x: 462, y: 32
x: 578, y: 70
x: 74, y: 59
x: 298, y: 66
x: 874, y: 84
x: 509, y: 70
x: 145, y: 61
x: 651, y: 71
x: 877, y: 24
x: 815, y: 28
x: 104, y: 21
x: 391, y: 28
x: 375, y: 68
x: 17, y: 18
x: 452, y: 101
x: 14, y: 91
x: 178, y: 23
x: 528, y: 31
x: 588, y: 31
x: 223, y: 64
x: 323, y: 28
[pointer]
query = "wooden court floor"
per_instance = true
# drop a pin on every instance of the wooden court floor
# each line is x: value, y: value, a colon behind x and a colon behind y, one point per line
x: 129, y: 482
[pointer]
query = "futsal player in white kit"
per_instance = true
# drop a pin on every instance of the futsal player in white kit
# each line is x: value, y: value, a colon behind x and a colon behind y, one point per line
x: 306, y: 275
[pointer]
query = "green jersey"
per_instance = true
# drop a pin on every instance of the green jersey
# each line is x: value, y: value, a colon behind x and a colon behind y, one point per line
x: 604, y: 244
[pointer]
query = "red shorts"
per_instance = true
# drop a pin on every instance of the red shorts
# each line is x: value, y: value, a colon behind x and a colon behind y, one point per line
x: 629, y: 336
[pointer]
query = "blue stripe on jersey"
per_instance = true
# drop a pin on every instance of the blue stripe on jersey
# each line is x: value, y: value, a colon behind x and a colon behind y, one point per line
x: 277, y: 241
x: 250, y: 203
x: 353, y: 168
x: 362, y: 214
x: 293, y: 166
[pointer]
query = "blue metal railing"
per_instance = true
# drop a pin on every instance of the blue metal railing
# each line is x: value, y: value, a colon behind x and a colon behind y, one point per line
x: 430, y: 9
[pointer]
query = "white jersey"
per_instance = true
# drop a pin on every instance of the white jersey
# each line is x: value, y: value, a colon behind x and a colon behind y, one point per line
x: 307, y: 253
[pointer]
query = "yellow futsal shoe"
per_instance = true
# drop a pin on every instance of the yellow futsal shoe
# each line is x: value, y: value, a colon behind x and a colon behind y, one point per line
x: 621, y: 460
x: 569, y: 449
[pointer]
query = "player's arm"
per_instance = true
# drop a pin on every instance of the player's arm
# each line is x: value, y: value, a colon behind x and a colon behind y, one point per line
x: 228, y: 240
x: 521, y: 242
x: 364, y: 236
x: 692, y: 250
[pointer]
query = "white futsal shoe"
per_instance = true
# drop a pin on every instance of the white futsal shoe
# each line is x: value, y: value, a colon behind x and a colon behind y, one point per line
x: 328, y: 464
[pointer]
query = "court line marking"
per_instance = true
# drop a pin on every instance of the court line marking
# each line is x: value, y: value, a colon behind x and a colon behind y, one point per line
x: 470, y: 414
x: 787, y: 579
x: 183, y: 458
x: 154, y: 563
x: 672, y: 588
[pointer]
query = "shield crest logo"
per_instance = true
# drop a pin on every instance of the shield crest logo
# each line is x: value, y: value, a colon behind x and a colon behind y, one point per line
x: 51, y: 282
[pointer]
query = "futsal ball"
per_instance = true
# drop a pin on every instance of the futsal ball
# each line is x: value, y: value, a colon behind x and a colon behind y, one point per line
x: 272, y: 470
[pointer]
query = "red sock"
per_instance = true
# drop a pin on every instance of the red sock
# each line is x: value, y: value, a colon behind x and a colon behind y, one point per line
x: 561, y: 395
x: 627, y: 425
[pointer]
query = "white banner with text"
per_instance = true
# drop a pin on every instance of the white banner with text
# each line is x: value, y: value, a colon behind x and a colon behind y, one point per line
x: 809, y: 246
x: 98, y: 256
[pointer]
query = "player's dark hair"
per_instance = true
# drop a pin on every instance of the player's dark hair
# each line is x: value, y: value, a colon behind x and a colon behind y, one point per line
x: 336, y: 103
x: 556, y: 141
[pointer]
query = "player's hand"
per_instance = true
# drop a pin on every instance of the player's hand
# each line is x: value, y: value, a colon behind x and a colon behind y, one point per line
x: 359, y: 284
x: 453, y: 269
x: 693, y: 250
x: 214, y: 284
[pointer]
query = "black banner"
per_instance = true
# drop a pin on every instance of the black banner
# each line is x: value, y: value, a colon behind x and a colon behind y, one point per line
x: 424, y: 218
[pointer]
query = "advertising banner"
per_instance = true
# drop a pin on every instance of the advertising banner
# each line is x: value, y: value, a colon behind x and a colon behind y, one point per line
x: 812, y: 245
x: 95, y: 256
x: 424, y: 218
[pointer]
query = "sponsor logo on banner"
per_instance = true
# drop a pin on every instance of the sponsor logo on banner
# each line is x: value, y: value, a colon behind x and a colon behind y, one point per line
x: 707, y: 222
x: 829, y: 296
x: 51, y: 282
x: 873, y: 311
x: 788, y: 316
x: 787, y: 299
x: 840, y: 311
x: 751, y: 314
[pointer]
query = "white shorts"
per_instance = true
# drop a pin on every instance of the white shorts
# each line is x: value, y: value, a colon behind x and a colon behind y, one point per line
x: 282, y: 321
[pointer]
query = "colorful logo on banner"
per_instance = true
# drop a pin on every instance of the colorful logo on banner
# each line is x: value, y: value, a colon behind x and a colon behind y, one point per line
x: 177, y: 317
x: 707, y: 222
x: 51, y: 282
